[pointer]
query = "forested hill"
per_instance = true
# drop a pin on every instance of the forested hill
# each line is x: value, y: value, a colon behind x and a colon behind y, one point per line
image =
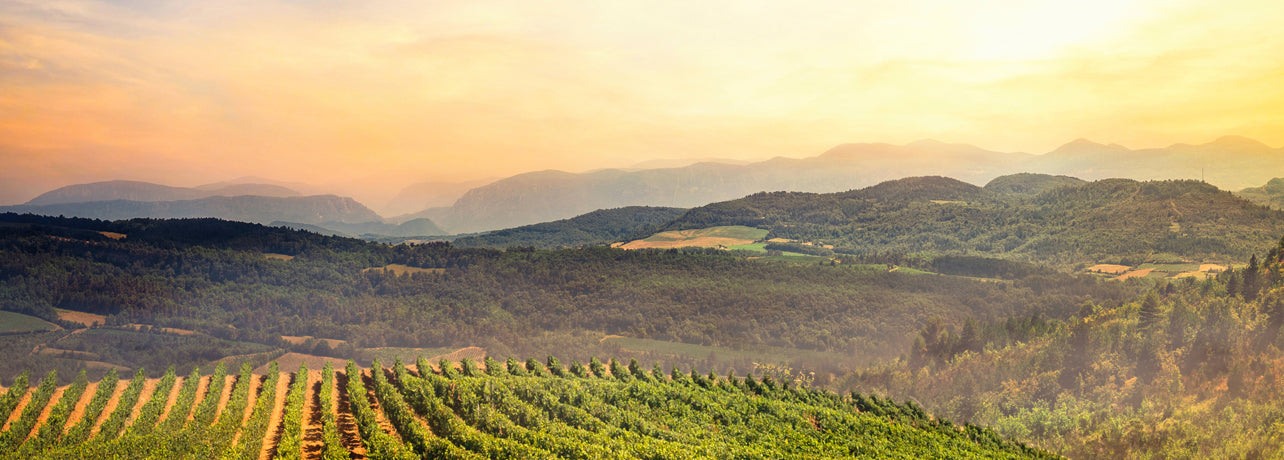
x: 597, y: 227
x: 248, y: 208
x: 1102, y: 221
x: 252, y: 283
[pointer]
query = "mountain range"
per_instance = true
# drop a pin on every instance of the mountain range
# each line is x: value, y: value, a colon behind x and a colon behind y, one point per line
x: 146, y: 191
x: 1230, y: 163
x: 317, y: 209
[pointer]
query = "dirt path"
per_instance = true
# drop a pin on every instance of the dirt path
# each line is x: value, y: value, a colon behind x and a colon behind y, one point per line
x: 44, y: 413
x: 202, y: 387
x: 78, y: 412
x: 225, y: 393
x: 275, y: 420
x: 313, y: 438
x: 112, y: 403
x: 149, y: 387
x: 384, y: 424
x: 173, y: 398
x: 17, y: 410
x: 348, y: 431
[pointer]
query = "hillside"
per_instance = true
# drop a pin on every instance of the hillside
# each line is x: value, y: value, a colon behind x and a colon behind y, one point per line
x: 1029, y: 183
x: 144, y: 191
x: 597, y: 227
x: 550, y: 195
x: 1230, y: 163
x: 246, y: 283
x: 1190, y: 369
x: 1271, y: 194
x: 520, y: 410
x: 258, y: 209
x: 1108, y: 220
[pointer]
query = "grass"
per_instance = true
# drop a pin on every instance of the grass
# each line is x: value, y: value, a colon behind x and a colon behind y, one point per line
x: 1172, y: 268
x: 755, y: 247
x: 13, y: 323
x: 740, y: 232
x: 400, y: 269
x: 913, y: 271
x: 408, y: 355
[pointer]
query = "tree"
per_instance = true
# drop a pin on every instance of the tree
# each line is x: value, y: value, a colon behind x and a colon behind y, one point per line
x: 970, y: 339
x: 1149, y: 313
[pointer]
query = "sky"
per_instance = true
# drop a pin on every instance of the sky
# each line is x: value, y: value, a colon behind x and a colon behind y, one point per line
x: 383, y: 94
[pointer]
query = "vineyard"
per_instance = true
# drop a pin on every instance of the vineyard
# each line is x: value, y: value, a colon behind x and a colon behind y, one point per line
x: 470, y: 410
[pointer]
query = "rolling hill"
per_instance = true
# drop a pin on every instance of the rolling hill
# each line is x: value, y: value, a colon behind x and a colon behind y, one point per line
x: 1116, y: 219
x: 1271, y: 194
x: 597, y: 227
x: 550, y: 195
x: 1230, y: 163
x: 145, y: 191
x: 257, y: 209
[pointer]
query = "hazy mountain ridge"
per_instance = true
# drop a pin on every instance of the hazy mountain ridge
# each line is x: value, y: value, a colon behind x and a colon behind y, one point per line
x: 1230, y: 162
x: 256, y: 209
x: 549, y: 195
x: 544, y: 196
x: 146, y: 191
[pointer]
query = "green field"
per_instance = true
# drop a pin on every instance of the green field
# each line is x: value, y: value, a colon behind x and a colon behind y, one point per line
x: 755, y: 247
x: 729, y: 231
x: 11, y: 322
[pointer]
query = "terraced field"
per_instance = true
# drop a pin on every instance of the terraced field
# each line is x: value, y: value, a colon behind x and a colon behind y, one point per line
x: 513, y: 410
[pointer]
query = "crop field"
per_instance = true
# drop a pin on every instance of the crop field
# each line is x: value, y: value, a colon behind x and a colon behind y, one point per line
x: 1160, y: 267
x: 712, y: 237
x: 87, y: 319
x: 514, y: 410
x: 11, y: 322
x: 405, y: 269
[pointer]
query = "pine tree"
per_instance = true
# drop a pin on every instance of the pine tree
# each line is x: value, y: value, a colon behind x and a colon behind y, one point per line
x: 1149, y: 313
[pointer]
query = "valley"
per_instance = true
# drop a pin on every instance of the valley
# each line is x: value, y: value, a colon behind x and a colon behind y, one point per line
x: 906, y: 289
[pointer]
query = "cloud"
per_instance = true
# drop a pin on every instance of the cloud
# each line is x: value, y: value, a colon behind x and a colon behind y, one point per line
x: 326, y: 91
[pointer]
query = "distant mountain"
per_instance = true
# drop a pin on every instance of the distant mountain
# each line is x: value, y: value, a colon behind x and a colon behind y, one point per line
x: 1230, y: 162
x: 257, y: 209
x: 146, y: 191
x: 420, y: 196
x: 413, y: 227
x: 1030, y: 183
x: 597, y: 227
x: 1115, y: 219
x: 549, y: 195
x: 1271, y: 194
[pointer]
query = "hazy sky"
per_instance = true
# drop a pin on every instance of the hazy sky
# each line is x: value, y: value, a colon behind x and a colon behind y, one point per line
x: 185, y: 92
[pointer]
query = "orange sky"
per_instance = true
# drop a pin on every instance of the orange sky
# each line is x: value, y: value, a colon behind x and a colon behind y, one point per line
x: 395, y: 92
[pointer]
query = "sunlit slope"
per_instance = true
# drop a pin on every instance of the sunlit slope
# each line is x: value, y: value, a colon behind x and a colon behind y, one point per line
x: 1104, y: 221
x: 514, y: 411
